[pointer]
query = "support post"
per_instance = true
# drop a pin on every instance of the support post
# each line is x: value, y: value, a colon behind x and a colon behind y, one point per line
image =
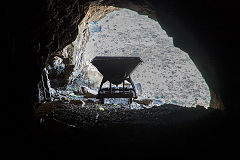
x: 131, y: 82
x: 110, y: 87
x: 123, y: 87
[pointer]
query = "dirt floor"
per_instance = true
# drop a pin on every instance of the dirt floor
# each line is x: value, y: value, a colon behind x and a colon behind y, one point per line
x: 95, y: 114
x: 63, y: 129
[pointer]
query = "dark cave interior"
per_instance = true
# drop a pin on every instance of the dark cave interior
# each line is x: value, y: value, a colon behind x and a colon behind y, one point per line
x: 207, y: 30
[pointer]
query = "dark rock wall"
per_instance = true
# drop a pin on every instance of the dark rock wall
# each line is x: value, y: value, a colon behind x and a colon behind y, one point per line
x: 33, y: 30
x: 206, y: 30
x: 63, y: 19
x: 21, y: 64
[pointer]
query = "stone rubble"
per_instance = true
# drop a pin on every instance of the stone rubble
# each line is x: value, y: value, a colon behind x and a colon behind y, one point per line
x: 88, y: 98
x: 147, y: 102
x: 89, y: 93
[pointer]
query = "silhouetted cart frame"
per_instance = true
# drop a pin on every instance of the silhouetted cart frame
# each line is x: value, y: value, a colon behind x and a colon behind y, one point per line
x: 116, y: 70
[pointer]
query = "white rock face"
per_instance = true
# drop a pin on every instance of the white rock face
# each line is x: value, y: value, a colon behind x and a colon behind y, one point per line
x: 167, y: 73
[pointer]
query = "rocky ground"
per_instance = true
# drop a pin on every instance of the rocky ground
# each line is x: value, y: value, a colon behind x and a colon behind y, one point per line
x: 93, y: 114
x: 67, y: 129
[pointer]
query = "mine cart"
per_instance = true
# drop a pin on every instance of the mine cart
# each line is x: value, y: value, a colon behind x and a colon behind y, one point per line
x: 116, y: 70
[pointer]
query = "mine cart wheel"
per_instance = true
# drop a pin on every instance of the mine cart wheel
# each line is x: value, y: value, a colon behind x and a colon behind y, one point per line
x: 102, y: 100
x: 130, y: 100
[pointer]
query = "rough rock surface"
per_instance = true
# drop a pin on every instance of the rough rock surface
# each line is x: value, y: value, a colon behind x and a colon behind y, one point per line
x: 76, y: 115
x: 89, y: 93
x: 74, y: 51
x: 144, y: 101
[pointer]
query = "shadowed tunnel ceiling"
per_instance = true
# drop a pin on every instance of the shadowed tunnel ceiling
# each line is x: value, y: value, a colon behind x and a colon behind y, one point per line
x: 204, y: 29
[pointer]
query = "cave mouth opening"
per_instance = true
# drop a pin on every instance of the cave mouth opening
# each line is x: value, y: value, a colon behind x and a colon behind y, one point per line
x: 166, y: 76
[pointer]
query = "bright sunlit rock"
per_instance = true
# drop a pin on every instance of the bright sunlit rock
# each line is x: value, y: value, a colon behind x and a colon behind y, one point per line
x: 167, y: 73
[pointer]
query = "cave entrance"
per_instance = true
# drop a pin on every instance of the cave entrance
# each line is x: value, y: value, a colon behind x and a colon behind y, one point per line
x: 166, y: 76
